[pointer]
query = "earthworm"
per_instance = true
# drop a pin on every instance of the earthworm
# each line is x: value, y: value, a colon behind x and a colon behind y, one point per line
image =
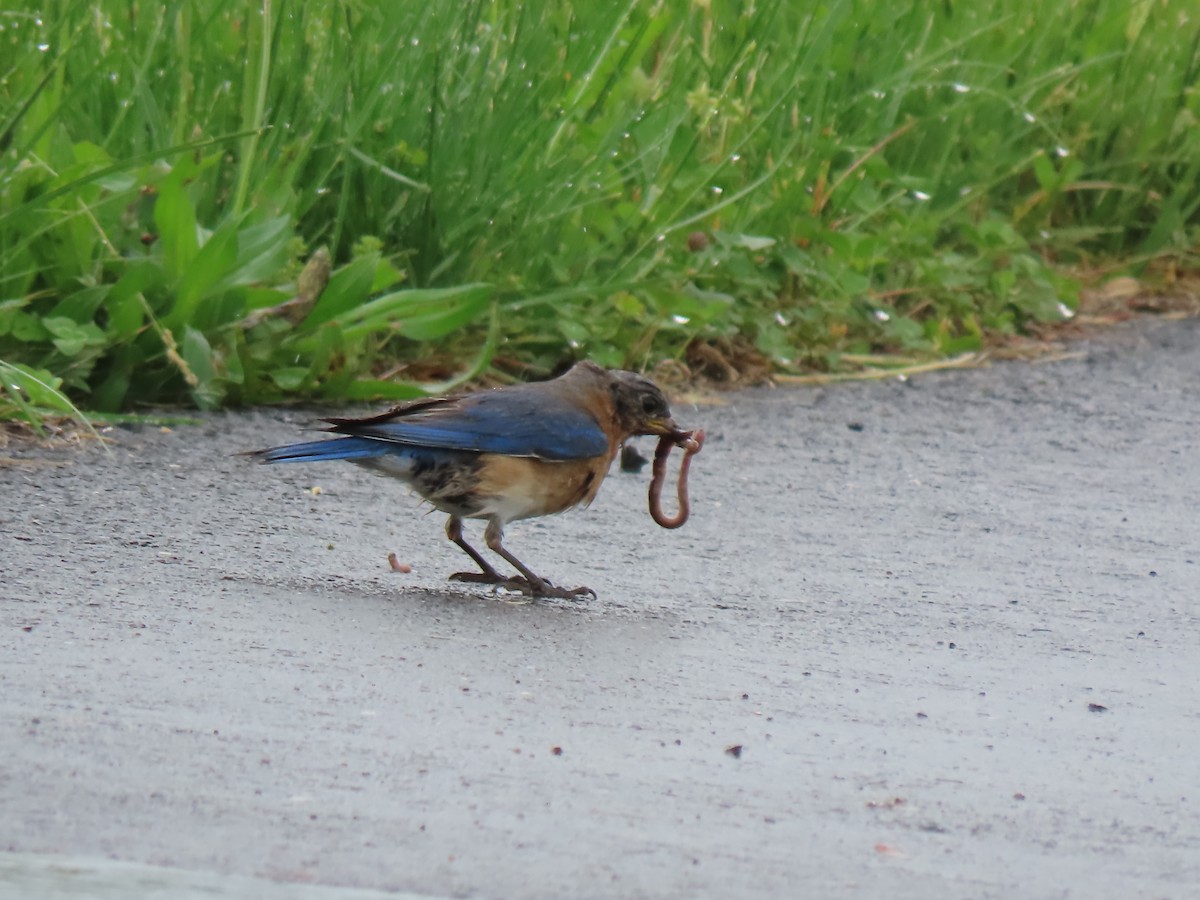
x: 691, y: 442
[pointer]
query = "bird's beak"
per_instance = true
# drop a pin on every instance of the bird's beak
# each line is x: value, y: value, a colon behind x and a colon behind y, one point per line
x: 665, y: 428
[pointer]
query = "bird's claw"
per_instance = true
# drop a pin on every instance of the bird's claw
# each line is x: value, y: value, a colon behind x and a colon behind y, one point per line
x: 579, y: 594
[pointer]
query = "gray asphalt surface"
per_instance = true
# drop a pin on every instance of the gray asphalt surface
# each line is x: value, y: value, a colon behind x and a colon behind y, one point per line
x: 959, y: 649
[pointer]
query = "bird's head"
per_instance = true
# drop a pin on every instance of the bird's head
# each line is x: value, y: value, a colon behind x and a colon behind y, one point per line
x: 641, y: 406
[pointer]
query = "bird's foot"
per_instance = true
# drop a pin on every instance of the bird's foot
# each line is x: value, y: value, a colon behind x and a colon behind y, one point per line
x: 521, y: 584
x: 546, y: 589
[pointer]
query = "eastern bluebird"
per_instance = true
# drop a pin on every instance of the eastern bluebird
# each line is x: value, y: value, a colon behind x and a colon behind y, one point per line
x: 505, y: 454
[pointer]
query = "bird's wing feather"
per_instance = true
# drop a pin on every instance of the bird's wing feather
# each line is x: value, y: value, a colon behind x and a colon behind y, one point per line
x: 526, y: 421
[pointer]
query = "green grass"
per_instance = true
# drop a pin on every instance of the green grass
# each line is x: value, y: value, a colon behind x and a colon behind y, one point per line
x: 508, y: 185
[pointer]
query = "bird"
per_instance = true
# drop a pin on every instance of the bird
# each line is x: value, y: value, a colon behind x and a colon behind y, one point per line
x: 503, y: 454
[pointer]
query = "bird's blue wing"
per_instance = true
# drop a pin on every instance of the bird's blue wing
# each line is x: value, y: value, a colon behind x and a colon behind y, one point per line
x: 520, y: 421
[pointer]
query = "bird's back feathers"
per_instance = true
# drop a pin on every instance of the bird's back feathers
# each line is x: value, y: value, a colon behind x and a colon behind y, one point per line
x: 529, y: 420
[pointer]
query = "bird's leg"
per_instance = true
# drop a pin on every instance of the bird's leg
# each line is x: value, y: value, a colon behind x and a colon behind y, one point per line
x: 531, y: 584
x: 486, y: 574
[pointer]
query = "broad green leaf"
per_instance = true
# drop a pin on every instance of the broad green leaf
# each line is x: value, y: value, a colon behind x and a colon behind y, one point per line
x: 236, y: 254
x: 290, y: 378
x: 751, y: 242
x: 34, y: 392
x: 574, y: 331
x: 422, y: 314
x: 417, y: 301
x: 628, y: 305
x: 798, y: 261
x: 212, y: 264
x: 233, y: 371
x: 262, y: 251
x: 1044, y: 171
x: 91, y: 155
x: 1168, y: 221
x: 26, y: 327
x: 198, y: 355
x: 386, y: 276
x: 451, y: 317
x: 908, y: 333
x: 328, y: 350
x: 348, y: 287
x: 851, y: 284
x: 262, y: 297
x: 175, y: 218
x: 691, y: 306
x: 126, y: 314
x: 71, y: 337
x: 111, y: 392
x: 40, y: 386
x: 82, y: 305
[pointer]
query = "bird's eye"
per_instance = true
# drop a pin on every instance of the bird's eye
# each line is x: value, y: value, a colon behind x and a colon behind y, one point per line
x: 651, y: 405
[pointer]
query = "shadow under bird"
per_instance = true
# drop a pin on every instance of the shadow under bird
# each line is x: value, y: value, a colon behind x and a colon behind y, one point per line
x: 504, y: 454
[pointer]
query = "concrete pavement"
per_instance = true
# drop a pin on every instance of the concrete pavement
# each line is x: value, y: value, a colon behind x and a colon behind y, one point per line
x: 951, y: 623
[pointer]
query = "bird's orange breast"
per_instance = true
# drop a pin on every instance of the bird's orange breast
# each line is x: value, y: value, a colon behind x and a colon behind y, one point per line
x: 514, y: 487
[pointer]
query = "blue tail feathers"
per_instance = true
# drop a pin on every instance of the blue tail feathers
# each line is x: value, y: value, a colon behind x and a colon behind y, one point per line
x: 315, y: 451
